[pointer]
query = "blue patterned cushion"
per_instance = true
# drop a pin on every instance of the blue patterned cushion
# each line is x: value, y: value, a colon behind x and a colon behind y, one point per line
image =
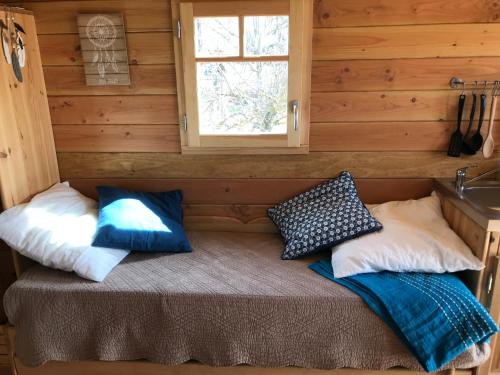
x: 322, y: 217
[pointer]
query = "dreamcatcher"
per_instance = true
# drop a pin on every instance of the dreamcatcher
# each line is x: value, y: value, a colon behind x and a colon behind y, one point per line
x: 102, y: 33
x: 14, y: 49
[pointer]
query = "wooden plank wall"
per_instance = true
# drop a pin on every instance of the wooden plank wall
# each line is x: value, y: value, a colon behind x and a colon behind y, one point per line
x: 381, y: 105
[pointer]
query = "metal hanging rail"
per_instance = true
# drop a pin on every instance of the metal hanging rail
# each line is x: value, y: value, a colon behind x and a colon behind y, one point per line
x: 457, y: 83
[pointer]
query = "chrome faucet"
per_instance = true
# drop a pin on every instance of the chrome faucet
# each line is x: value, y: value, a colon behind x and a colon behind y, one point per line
x: 461, y: 182
x: 460, y: 178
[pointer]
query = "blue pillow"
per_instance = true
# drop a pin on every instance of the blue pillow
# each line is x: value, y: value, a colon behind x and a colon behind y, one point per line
x: 148, y: 222
x: 323, y: 217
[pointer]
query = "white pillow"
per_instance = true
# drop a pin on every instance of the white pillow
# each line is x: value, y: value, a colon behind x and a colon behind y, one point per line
x: 415, y: 238
x: 56, y: 229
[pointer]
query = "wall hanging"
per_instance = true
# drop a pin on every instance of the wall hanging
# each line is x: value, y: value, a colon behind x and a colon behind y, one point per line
x: 13, y: 43
x: 104, y: 49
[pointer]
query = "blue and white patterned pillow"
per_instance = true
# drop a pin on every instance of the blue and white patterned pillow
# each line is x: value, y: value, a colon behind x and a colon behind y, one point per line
x: 325, y: 216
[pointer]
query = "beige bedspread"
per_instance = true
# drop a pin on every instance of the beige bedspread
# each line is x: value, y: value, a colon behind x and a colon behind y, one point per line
x: 232, y: 301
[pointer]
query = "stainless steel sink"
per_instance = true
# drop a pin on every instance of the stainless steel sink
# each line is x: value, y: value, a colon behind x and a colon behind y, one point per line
x: 485, y: 194
x: 482, y: 196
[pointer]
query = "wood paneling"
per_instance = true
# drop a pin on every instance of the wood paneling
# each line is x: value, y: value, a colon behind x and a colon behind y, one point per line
x: 117, y: 138
x: 468, y: 230
x: 28, y: 165
x: 400, y: 74
x: 341, y: 13
x: 388, y: 106
x: 202, y: 197
x: 491, y: 366
x: 241, y: 204
x: 314, y: 165
x: 145, y: 80
x: 422, y: 41
x: 381, y: 104
x: 370, y: 136
x: 138, y: 109
x: 143, y: 48
x: 139, y: 15
x: 386, y: 136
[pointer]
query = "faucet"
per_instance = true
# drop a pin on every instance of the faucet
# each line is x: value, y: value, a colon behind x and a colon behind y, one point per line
x: 460, y: 180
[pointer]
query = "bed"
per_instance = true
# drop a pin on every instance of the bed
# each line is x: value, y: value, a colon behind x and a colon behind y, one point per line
x: 209, y: 306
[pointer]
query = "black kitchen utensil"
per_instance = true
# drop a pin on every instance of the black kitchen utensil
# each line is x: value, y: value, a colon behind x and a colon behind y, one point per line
x: 466, y: 149
x: 477, y: 140
x: 457, y: 137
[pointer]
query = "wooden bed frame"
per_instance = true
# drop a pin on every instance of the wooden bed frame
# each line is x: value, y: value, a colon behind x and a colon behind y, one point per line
x: 145, y: 368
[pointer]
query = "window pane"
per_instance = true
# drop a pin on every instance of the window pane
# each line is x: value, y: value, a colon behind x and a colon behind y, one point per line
x: 266, y: 36
x: 242, y: 97
x: 217, y: 36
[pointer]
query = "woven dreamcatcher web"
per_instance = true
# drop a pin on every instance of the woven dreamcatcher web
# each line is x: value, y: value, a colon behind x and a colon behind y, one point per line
x: 104, y: 49
x: 102, y: 33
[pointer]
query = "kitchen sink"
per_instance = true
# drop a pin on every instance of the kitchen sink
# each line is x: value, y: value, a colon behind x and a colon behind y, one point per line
x: 485, y: 194
x: 482, y: 196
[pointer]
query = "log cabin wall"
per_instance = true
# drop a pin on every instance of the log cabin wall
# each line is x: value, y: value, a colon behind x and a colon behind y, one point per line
x: 381, y: 104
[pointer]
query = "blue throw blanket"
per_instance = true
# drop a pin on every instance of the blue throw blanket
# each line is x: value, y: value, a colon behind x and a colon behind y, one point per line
x: 435, y: 315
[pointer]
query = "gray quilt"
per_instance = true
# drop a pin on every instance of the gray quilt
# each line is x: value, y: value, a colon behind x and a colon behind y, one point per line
x: 232, y: 301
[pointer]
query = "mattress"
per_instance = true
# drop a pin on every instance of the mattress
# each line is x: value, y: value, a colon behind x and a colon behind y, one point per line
x: 231, y: 301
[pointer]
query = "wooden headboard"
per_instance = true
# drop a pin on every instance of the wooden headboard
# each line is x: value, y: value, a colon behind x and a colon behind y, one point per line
x: 241, y: 204
x: 28, y: 161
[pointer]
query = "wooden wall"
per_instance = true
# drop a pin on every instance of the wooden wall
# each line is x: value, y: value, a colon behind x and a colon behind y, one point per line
x: 381, y: 105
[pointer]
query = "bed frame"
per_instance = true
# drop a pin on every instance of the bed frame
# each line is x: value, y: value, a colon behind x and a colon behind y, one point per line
x: 145, y: 368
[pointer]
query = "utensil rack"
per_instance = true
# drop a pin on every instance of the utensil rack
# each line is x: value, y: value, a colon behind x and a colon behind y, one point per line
x: 457, y: 83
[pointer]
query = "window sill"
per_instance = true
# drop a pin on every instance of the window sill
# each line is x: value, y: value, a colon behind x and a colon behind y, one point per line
x: 245, y: 150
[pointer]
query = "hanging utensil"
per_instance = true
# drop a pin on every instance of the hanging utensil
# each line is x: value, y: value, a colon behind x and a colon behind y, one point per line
x: 489, y: 143
x: 477, y: 139
x: 466, y: 149
x: 457, y: 138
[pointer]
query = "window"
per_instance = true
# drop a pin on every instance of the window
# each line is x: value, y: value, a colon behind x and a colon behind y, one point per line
x: 243, y: 71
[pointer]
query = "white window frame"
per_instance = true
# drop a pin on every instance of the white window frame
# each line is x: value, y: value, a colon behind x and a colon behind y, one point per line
x: 296, y: 140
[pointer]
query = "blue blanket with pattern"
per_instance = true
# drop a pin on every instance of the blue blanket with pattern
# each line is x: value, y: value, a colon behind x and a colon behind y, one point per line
x: 435, y: 315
